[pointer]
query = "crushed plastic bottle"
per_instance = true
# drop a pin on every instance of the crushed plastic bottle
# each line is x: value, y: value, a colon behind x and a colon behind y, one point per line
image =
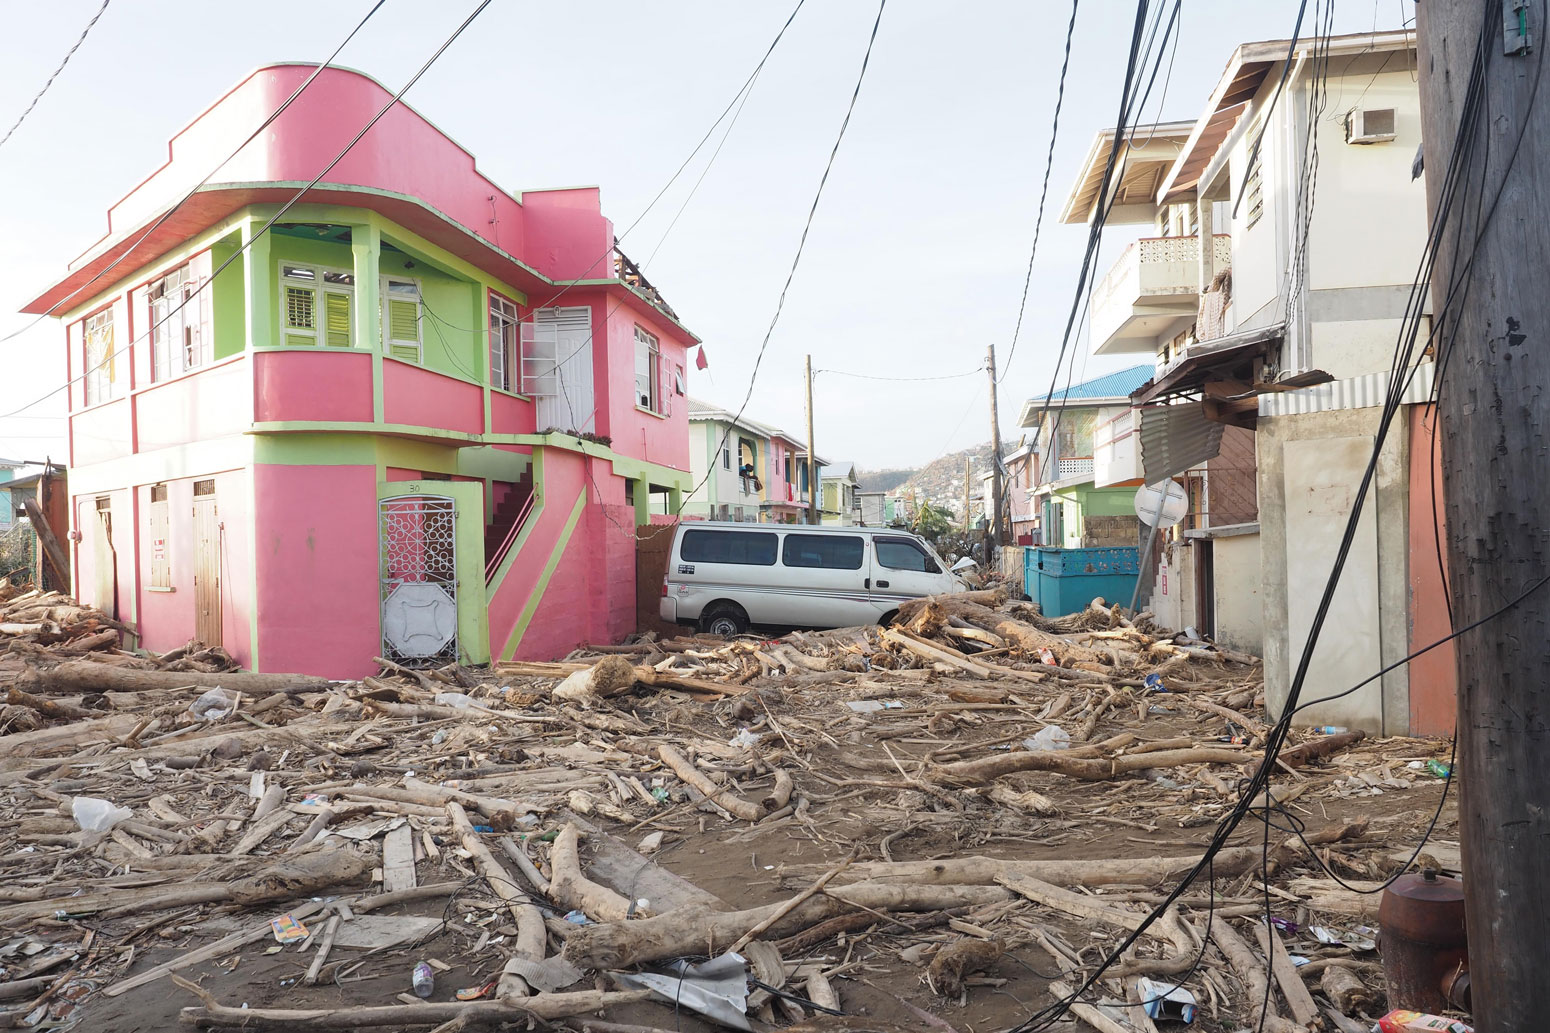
x: 461, y: 700
x: 423, y: 979
x: 1331, y: 729
x: 1050, y: 737
x: 1442, y: 769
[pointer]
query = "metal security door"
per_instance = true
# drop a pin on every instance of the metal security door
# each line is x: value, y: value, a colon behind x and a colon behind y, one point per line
x: 419, y: 578
x: 207, y: 565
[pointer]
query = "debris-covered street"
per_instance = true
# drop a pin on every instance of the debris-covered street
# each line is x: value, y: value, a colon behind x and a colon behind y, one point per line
x: 925, y: 826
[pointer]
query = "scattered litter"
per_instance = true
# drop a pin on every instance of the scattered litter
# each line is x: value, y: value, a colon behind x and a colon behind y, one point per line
x: 717, y: 989
x: 551, y: 974
x: 1361, y: 937
x: 215, y: 705
x: 287, y: 929
x: 473, y: 993
x: 94, y: 815
x: 1418, y: 1022
x: 1165, y: 1001
x: 460, y: 700
x: 1050, y: 737
x: 872, y: 706
x: 423, y: 979
x: 746, y: 738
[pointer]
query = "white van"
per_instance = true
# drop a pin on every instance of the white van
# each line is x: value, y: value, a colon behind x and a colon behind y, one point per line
x: 725, y: 577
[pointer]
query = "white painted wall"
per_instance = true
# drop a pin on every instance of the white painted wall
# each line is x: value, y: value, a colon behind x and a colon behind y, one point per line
x: 1239, y: 577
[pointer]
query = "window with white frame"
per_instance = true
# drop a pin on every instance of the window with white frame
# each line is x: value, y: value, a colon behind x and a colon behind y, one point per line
x: 101, y: 360
x: 179, y: 342
x: 401, y: 319
x: 315, y: 306
x: 648, y: 394
x: 505, y: 357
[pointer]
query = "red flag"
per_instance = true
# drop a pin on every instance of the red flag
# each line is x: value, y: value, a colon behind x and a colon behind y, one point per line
x: 699, y: 358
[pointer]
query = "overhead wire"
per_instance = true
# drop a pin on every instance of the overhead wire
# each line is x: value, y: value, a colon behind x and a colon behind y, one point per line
x: 1277, y: 734
x: 66, y: 60
x: 79, y: 292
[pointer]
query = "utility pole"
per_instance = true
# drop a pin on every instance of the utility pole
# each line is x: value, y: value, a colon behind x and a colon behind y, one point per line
x: 993, y: 504
x: 813, y: 487
x: 1495, y: 426
x: 968, y: 472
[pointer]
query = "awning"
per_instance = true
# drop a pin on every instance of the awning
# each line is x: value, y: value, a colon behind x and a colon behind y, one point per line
x: 1224, y: 358
x: 1175, y: 438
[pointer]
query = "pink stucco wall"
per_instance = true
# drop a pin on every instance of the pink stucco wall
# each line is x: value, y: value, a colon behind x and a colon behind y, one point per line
x: 426, y: 398
x: 211, y: 403
x: 167, y: 618
x: 403, y: 153
x: 566, y: 240
x: 316, y: 539
x: 312, y: 386
x: 510, y: 415
x: 658, y: 439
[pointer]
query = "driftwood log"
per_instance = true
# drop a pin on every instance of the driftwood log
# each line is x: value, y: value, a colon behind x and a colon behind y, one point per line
x: 87, y: 676
x: 685, y: 930
x: 969, y: 772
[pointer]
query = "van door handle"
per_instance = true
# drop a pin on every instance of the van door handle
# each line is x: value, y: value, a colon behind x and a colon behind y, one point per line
x: 882, y: 584
x: 867, y: 582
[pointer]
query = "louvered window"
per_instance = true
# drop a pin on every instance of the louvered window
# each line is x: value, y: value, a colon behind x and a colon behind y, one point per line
x: 401, y: 319
x: 315, y: 306
x: 160, y: 530
x: 648, y: 381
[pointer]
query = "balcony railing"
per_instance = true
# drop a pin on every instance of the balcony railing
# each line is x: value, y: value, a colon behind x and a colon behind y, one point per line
x: 1155, y: 283
x: 1074, y: 467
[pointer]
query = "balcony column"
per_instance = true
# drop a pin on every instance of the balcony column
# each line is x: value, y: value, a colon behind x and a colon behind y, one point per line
x: 365, y: 249
x: 257, y: 285
x: 1207, y: 242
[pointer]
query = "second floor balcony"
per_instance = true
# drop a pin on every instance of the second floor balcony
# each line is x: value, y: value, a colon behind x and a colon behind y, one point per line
x: 1151, y: 293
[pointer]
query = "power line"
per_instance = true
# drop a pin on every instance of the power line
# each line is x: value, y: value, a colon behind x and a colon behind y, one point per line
x: 297, y: 92
x: 291, y: 203
x: 66, y: 60
x: 1049, y: 163
x: 868, y: 376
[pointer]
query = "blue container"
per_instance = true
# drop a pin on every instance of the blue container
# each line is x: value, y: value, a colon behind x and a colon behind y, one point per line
x: 1065, y: 581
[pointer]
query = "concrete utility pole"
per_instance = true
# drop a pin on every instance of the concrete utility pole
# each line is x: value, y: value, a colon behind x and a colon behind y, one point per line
x: 1495, y: 352
x: 993, y: 505
x: 813, y: 487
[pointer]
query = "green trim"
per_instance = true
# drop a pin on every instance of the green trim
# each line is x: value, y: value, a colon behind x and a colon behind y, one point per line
x: 550, y: 566
x: 365, y: 251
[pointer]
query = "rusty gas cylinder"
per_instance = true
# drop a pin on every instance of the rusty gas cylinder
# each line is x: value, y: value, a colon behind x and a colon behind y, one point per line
x: 1422, y: 922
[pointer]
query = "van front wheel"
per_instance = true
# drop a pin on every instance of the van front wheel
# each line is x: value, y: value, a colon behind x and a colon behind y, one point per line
x: 725, y: 620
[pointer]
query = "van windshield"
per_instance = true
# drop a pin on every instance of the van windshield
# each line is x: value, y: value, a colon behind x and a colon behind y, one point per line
x: 747, y: 547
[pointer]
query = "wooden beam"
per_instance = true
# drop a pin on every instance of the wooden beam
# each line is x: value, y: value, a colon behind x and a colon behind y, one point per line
x: 51, y: 551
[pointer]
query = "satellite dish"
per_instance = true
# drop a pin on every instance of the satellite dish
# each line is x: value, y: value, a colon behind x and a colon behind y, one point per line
x: 1162, y: 504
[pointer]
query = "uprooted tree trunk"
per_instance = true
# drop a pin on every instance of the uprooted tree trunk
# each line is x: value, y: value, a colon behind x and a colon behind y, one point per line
x: 690, y: 930
x: 937, y: 610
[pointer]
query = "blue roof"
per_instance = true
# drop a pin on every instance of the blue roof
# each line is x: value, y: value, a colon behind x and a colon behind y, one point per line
x: 1113, y: 385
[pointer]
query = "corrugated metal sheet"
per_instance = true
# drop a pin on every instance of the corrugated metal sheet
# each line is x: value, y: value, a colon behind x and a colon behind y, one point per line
x: 1175, y: 438
x: 1361, y: 392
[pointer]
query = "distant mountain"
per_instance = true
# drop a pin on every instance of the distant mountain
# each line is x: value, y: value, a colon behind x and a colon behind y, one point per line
x: 941, y: 482
x: 886, y: 479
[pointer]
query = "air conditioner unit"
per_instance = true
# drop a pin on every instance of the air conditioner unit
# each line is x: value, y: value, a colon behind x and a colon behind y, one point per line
x: 1373, y: 125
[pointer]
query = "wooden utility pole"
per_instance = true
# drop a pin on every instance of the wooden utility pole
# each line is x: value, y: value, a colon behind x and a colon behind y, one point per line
x: 1495, y: 424
x: 993, y: 504
x: 813, y: 487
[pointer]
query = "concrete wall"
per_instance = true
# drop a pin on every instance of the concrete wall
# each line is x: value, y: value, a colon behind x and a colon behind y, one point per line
x: 1173, y: 586
x: 1239, y: 598
x: 1309, y: 468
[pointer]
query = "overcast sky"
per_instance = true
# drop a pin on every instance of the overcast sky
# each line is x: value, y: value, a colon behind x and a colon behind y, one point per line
x: 916, y: 258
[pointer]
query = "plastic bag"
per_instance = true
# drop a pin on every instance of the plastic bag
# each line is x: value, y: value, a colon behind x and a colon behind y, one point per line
x: 461, y: 700
x: 94, y: 815
x: 215, y: 705
x: 1050, y: 737
x: 746, y: 738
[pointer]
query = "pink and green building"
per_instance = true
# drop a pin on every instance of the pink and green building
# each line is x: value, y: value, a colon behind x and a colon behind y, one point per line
x: 419, y: 417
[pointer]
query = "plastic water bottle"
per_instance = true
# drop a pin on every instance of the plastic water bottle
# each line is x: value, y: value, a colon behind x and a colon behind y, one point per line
x: 424, y: 979
x: 1330, y: 729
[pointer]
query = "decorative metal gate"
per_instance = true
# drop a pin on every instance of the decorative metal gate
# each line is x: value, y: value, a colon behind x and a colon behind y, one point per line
x: 419, y: 578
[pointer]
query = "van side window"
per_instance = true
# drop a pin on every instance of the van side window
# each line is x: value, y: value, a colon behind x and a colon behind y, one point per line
x: 902, y: 554
x: 830, y: 551
x: 747, y: 547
